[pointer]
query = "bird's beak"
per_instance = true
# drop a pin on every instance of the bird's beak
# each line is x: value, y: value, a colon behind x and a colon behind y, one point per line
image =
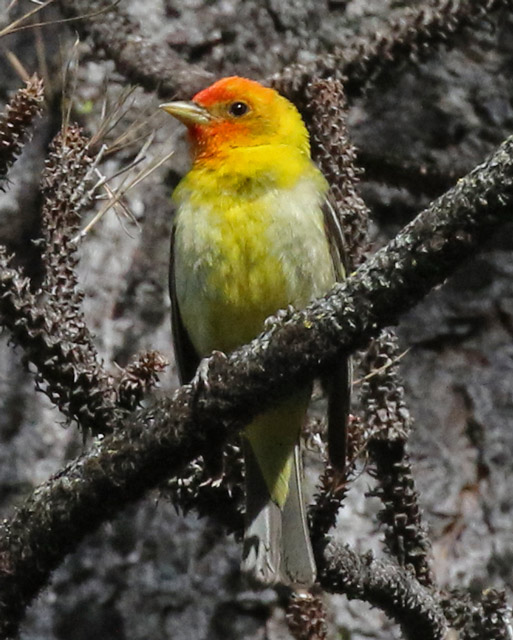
x: 187, y: 112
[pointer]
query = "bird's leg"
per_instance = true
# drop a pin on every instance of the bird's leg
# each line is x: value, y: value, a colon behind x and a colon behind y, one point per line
x: 214, y: 468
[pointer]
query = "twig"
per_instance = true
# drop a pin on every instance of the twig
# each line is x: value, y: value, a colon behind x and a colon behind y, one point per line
x: 488, y: 618
x: 16, y: 120
x: 306, y: 616
x: 332, y: 150
x: 387, y: 419
x: 140, y: 375
x: 385, y: 586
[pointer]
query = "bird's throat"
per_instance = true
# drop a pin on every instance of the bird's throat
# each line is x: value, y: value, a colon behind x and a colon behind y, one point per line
x: 251, y: 169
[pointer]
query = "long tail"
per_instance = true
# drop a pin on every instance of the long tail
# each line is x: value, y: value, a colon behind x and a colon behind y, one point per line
x: 276, y: 542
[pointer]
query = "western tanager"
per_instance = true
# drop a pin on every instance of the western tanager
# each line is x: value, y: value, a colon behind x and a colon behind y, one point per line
x: 253, y: 234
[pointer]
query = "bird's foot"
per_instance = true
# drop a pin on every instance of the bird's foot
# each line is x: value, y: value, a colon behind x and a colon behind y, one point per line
x: 280, y: 316
x: 202, y: 377
x: 201, y: 384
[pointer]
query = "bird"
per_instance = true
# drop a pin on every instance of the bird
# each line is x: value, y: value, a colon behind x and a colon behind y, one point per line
x: 254, y: 233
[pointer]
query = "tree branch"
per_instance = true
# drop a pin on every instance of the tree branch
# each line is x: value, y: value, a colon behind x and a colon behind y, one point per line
x: 156, y: 443
x: 335, y: 155
x: 388, y: 421
x: 16, y: 121
x: 411, y: 35
x: 155, y: 67
x: 385, y: 586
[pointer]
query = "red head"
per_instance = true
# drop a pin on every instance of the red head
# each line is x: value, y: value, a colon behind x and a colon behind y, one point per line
x: 236, y: 112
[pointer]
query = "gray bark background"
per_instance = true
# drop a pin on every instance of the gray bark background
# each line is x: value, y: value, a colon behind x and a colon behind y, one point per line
x: 152, y: 573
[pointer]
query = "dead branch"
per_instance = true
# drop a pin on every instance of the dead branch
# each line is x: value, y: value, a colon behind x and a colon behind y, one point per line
x: 389, y: 423
x: 16, y: 120
x: 333, y: 152
x: 385, y: 586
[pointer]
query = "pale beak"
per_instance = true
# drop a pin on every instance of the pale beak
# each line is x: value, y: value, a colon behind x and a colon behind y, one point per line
x: 187, y: 112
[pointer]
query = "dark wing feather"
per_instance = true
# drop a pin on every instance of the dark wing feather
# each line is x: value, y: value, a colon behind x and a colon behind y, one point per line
x: 187, y: 359
x: 337, y: 382
x: 333, y: 228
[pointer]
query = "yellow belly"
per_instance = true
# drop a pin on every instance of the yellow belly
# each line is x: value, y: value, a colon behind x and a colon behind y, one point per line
x: 240, y: 262
x: 240, y: 283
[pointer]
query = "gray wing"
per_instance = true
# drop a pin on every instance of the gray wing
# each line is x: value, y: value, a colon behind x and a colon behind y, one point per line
x: 337, y: 382
x: 186, y: 357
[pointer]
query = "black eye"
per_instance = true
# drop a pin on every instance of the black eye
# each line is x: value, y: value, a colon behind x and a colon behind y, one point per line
x: 238, y: 108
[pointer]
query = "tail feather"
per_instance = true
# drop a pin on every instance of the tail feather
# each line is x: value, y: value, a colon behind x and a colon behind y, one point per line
x: 261, y: 550
x: 276, y: 542
x: 297, y: 563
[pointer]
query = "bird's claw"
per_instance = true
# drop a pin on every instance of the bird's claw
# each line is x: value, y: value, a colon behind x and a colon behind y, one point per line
x: 201, y: 380
x: 280, y: 316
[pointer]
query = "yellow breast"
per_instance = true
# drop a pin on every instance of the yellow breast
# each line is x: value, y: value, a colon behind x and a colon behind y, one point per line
x: 247, y: 252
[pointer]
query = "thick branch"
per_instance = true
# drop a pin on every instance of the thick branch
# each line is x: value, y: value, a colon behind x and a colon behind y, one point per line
x: 157, y: 443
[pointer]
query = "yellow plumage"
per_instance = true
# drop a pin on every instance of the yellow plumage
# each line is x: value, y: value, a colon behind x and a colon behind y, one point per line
x: 238, y: 258
x: 250, y: 239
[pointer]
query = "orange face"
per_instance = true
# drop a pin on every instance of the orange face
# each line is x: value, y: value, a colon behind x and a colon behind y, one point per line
x: 241, y: 115
x: 236, y: 112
